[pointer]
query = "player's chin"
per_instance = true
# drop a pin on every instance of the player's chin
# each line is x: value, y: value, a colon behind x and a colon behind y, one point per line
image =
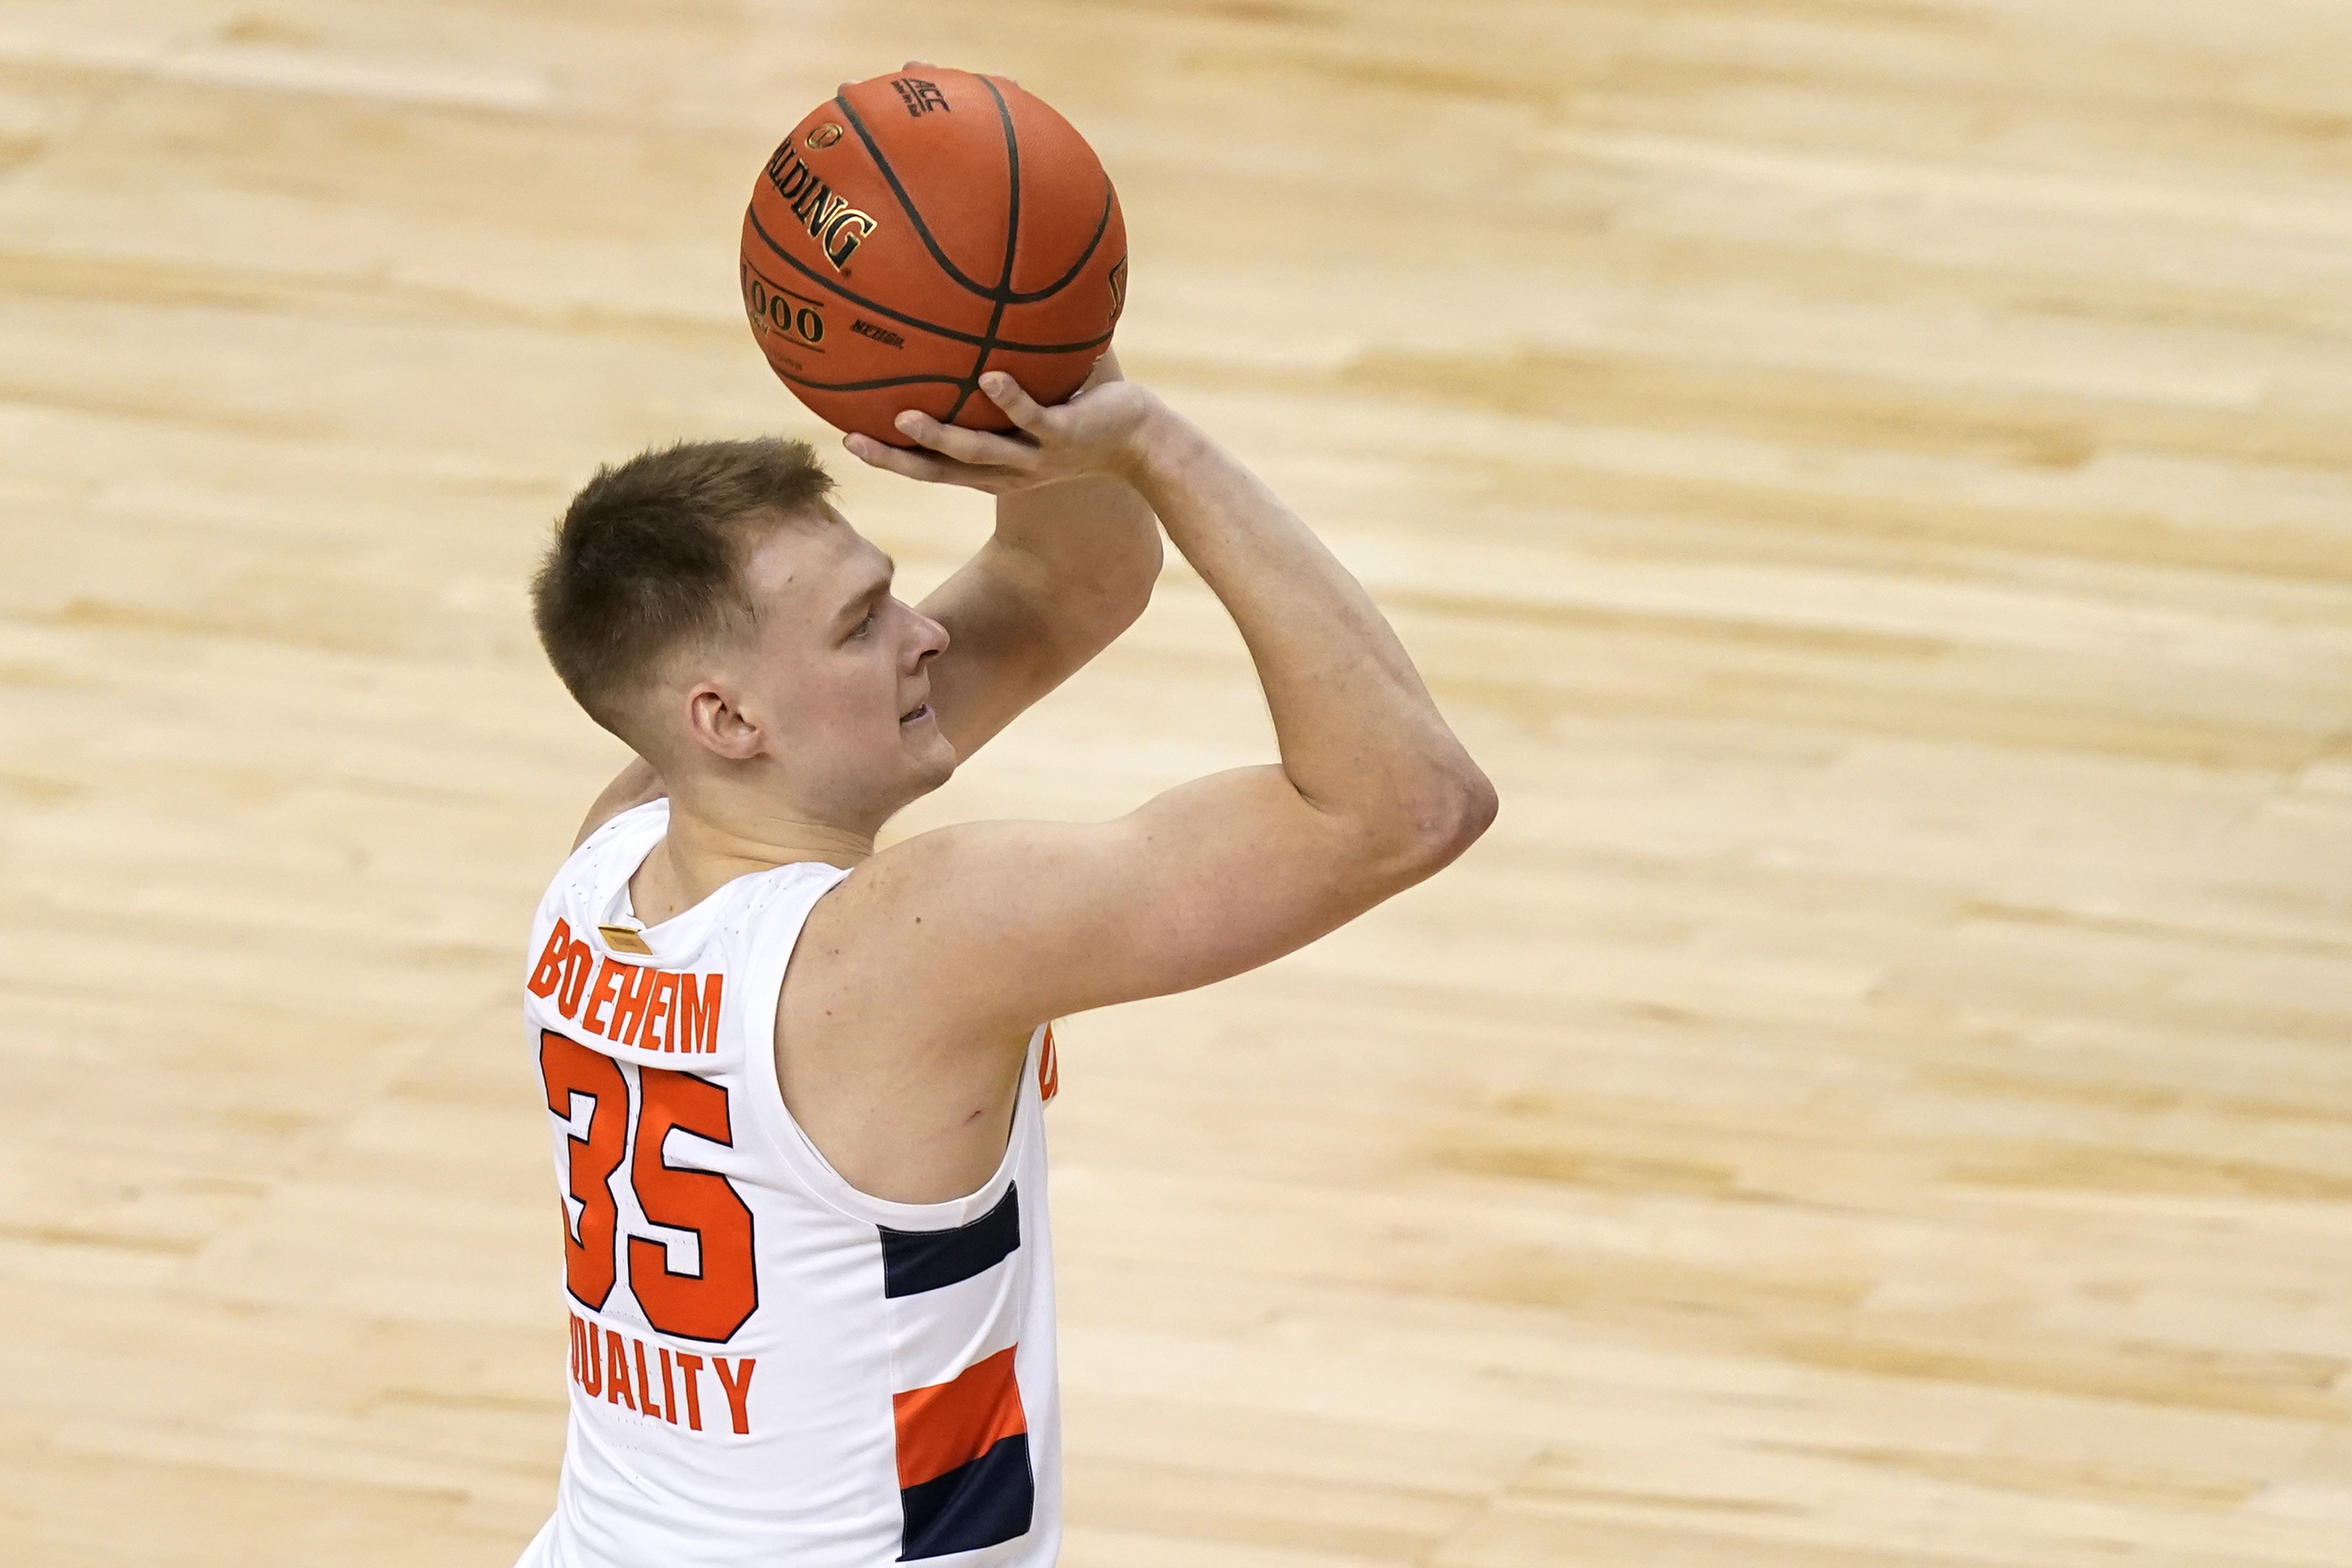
x: 931, y: 755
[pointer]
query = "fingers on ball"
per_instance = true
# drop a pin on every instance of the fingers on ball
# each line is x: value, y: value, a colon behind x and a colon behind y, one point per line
x: 975, y: 446
x: 892, y: 459
x: 1007, y: 394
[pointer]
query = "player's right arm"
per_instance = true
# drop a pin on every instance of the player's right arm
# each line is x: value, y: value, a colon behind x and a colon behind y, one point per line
x: 1010, y: 924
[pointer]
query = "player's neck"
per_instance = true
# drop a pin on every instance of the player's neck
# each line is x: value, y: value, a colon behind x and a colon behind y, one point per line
x: 710, y: 843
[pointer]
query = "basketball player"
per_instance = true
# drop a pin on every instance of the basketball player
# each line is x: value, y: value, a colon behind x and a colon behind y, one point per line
x: 795, y: 1083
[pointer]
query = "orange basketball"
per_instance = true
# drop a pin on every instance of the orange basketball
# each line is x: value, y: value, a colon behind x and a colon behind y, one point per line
x: 917, y: 229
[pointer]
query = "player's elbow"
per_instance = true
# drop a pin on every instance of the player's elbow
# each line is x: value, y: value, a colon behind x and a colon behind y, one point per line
x: 1446, y: 815
x: 1127, y: 590
x: 1113, y: 599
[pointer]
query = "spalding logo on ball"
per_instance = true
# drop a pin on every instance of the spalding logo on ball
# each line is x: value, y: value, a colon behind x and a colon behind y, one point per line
x: 918, y: 229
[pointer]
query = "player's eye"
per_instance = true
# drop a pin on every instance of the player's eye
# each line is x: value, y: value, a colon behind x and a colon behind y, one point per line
x: 864, y: 626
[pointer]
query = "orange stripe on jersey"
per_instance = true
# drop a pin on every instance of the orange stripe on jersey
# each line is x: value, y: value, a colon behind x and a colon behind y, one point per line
x: 954, y: 1423
x: 1049, y: 1068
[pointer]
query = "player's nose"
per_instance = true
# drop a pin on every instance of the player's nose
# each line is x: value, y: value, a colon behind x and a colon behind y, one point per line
x: 930, y: 640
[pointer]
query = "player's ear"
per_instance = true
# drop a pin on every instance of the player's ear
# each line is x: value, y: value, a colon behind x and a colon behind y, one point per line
x: 717, y: 725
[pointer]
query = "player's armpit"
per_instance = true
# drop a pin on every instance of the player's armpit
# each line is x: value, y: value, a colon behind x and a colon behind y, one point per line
x: 1011, y: 924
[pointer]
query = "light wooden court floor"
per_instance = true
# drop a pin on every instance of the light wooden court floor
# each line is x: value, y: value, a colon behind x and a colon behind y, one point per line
x: 1870, y: 477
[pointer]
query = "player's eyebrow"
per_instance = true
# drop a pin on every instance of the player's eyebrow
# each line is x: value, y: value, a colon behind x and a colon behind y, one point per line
x: 873, y: 591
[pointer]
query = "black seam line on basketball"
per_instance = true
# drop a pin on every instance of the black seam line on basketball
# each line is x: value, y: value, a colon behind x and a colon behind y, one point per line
x: 1005, y: 293
x: 923, y: 232
x: 906, y: 203
x: 868, y: 386
x: 1012, y: 199
x: 1102, y: 226
x: 788, y: 259
x: 1012, y: 245
x: 1014, y: 345
x: 972, y: 382
x: 1010, y: 344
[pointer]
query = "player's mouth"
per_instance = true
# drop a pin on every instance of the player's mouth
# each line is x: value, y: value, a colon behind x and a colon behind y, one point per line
x: 921, y: 712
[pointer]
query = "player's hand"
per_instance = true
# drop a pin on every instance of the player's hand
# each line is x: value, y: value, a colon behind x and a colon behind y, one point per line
x: 1101, y: 430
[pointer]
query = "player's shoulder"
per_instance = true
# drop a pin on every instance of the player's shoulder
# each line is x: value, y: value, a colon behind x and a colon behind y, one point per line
x: 626, y: 835
x: 947, y: 905
x: 969, y: 864
x: 929, y: 938
x: 598, y: 839
x: 924, y: 872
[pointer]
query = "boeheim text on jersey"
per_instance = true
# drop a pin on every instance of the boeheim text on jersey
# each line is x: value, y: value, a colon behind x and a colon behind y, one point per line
x: 628, y: 1003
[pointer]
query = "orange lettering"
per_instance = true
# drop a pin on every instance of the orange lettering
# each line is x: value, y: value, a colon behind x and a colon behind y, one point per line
x: 654, y: 1037
x: 616, y: 1368
x: 712, y: 1304
x: 570, y: 1070
x: 575, y: 977
x: 692, y: 1365
x: 739, y: 1389
x: 669, y: 1390
x: 592, y: 1358
x: 601, y: 994
x: 697, y: 1017
x: 629, y: 1012
x: 550, y: 968
x: 644, y: 1394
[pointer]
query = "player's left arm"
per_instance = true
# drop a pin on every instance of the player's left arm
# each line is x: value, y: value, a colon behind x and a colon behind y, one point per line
x: 1070, y: 568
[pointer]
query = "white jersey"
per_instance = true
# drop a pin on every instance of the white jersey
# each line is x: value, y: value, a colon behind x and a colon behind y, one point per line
x: 767, y: 1365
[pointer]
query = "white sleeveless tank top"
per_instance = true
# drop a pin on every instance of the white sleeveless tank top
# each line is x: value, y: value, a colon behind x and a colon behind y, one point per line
x: 767, y: 1365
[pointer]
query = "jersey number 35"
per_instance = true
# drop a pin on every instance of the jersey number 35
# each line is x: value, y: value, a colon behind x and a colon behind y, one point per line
x: 709, y: 1304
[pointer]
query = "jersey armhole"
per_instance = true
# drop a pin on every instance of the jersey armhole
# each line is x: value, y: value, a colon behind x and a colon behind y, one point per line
x: 799, y: 1152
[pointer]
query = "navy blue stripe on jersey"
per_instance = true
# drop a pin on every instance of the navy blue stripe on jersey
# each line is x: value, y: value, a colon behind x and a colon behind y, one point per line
x: 980, y: 1504
x: 914, y: 1262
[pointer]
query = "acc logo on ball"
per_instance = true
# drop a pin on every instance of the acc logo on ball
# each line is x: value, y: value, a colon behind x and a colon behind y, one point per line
x: 783, y: 321
x: 824, y: 136
x: 837, y: 227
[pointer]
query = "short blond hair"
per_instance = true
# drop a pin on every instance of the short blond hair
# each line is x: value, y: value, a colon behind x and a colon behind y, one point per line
x: 647, y: 560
